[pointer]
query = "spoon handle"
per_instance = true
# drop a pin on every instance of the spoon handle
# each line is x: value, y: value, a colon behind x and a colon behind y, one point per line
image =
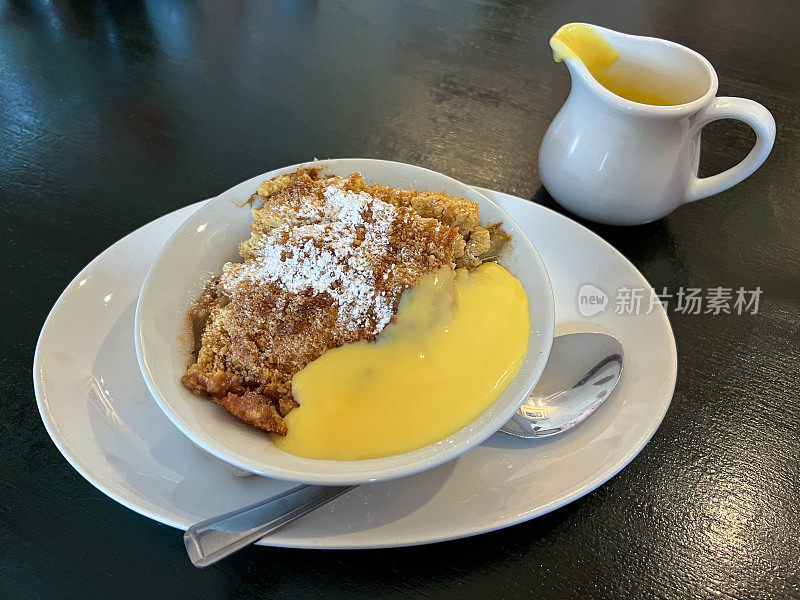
x: 215, y: 538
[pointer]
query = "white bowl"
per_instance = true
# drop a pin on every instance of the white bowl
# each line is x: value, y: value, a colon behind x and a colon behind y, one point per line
x: 209, y: 238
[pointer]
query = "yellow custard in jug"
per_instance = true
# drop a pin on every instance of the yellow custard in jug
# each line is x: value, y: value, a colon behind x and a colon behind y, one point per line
x: 635, y: 83
x: 457, y: 341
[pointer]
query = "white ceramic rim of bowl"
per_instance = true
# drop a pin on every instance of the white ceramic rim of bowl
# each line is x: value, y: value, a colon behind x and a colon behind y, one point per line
x: 327, y: 472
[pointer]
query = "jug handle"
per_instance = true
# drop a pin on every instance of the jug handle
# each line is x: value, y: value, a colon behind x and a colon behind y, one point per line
x: 759, y: 119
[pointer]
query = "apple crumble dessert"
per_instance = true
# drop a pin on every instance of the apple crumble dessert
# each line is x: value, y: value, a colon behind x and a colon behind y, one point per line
x: 326, y: 263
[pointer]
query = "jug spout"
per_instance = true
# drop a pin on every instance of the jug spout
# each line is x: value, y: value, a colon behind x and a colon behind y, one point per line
x: 580, y: 42
x: 587, y: 54
x: 639, y: 70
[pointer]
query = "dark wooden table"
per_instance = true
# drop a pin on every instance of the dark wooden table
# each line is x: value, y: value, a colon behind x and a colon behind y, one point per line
x: 114, y: 113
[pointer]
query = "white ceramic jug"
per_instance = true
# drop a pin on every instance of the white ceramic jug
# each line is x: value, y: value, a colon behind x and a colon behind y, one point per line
x: 620, y: 162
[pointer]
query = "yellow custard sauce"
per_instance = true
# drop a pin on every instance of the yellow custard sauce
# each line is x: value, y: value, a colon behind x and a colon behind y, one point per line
x: 632, y: 82
x: 458, y: 339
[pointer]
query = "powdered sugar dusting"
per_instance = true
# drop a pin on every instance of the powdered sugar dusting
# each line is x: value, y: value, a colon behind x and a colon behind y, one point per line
x: 329, y: 248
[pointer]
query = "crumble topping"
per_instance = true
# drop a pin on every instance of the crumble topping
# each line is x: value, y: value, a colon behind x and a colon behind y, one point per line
x: 326, y: 263
x: 338, y: 249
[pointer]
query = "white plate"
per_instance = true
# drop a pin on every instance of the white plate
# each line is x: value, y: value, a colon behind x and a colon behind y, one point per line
x: 100, y: 415
x: 209, y: 238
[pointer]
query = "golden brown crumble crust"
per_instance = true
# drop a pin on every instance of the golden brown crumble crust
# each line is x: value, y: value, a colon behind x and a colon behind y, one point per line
x: 257, y: 334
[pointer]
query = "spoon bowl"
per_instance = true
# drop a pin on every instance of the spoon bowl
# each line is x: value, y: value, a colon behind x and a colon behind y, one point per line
x: 593, y: 362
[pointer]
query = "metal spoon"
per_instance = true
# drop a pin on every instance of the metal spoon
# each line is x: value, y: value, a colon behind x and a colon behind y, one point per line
x: 593, y: 361
x: 581, y: 372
